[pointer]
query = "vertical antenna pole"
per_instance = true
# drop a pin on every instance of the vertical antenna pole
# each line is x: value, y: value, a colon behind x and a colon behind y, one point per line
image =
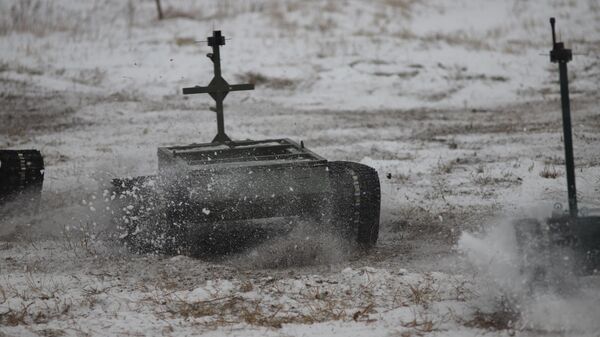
x: 215, y: 41
x: 562, y: 56
x: 569, y: 160
x: 552, y: 22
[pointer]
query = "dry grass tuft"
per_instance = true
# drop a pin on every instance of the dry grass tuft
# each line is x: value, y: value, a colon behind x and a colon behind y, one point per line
x: 498, y: 320
x: 423, y: 293
x: 28, y: 314
x: 483, y: 177
x: 445, y: 167
x: 550, y: 172
x: 236, y: 309
x: 424, y: 323
x: 15, y: 317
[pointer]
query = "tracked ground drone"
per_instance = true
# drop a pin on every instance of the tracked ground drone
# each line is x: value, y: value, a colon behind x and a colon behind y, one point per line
x: 21, y: 180
x: 201, y: 187
x: 569, y: 241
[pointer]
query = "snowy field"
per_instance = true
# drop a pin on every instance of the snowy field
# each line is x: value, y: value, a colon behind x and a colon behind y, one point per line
x: 455, y: 103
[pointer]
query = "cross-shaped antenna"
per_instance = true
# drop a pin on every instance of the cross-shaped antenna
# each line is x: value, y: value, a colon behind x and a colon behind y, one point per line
x: 218, y: 88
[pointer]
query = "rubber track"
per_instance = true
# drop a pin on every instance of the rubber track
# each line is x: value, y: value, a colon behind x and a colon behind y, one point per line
x: 362, y: 209
x: 21, y: 179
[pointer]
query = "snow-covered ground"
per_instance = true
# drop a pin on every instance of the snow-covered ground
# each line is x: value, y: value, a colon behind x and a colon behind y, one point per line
x: 455, y: 103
